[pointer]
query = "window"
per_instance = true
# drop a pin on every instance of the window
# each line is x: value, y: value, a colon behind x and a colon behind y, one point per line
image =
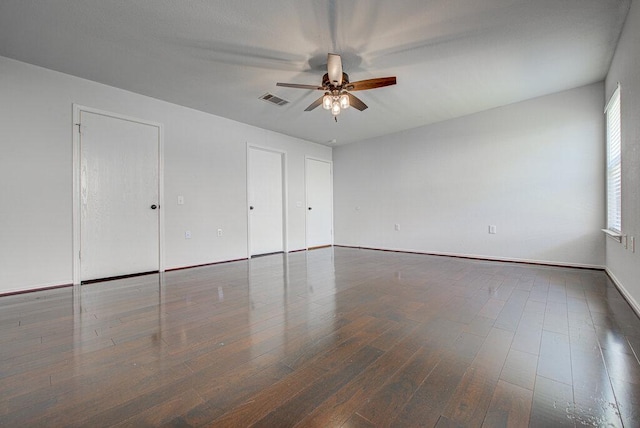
x: 614, y: 178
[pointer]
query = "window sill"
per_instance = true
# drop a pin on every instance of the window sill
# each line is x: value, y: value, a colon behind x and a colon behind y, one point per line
x: 617, y: 236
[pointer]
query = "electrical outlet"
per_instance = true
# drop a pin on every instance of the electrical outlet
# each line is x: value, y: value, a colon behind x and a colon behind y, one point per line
x: 219, y: 232
x: 397, y: 227
x: 492, y: 229
x: 180, y: 200
x: 187, y: 234
x: 632, y: 244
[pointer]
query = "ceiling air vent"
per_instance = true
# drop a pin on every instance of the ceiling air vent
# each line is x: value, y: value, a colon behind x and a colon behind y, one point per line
x: 273, y: 99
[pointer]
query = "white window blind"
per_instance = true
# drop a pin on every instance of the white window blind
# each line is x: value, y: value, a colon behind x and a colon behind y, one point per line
x: 614, y: 177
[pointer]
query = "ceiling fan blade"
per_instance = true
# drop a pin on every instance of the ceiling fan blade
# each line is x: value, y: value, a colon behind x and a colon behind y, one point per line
x: 362, y: 85
x: 314, y: 104
x: 334, y: 69
x: 355, y: 102
x: 299, y: 86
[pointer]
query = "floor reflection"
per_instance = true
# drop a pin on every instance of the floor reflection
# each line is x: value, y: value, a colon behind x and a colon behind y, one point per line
x: 107, y: 314
x: 283, y: 296
x: 335, y: 333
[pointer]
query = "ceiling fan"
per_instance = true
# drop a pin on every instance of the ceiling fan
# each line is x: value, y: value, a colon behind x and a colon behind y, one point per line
x: 338, y: 89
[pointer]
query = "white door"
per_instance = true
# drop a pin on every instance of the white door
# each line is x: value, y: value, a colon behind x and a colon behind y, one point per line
x: 266, y: 219
x: 319, y: 195
x: 119, y: 197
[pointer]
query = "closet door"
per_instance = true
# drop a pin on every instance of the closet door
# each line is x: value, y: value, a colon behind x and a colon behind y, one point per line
x: 119, y: 196
x: 319, y: 195
x: 266, y: 199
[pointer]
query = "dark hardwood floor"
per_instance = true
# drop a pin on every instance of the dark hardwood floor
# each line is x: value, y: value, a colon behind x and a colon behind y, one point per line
x: 328, y: 338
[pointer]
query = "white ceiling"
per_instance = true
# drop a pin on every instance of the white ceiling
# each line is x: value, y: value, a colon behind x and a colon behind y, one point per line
x: 451, y: 57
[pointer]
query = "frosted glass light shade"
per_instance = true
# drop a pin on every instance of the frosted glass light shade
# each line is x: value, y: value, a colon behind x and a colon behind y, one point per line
x: 344, y: 101
x: 335, y: 108
x: 327, y: 102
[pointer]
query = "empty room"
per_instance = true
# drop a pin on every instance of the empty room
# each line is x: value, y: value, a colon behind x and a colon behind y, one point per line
x: 320, y: 213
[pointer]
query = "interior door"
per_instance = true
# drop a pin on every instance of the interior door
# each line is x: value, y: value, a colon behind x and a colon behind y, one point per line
x: 319, y: 195
x: 266, y: 213
x: 119, y: 196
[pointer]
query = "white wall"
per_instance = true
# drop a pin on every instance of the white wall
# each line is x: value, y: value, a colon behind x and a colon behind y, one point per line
x: 623, y: 264
x: 534, y: 169
x: 205, y: 161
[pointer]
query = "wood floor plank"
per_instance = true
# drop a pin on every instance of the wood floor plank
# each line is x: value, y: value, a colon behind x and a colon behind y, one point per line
x: 265, y: 400
x: 555, y: 357
x: 160, y: 411
x: 520, y: 369
x: 510, y: 406
x: 340, y: 406
x: 596, y: 407
x: 480, y: 326
x: 492, y: 308
x: 430, y: 399
x: 509, y: 316
x: 552, y: 404
x: 620, y: 365
x: 357, y: 421
x: 385, y: 404
x: 222, y: 394
x: 288, y: 414
x: 472, y: 397
x: 330, y: 337
x: 628, y: 399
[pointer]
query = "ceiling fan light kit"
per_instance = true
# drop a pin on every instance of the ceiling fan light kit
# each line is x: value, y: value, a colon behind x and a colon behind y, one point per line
x: 336, y: 85
x: 335, y: 103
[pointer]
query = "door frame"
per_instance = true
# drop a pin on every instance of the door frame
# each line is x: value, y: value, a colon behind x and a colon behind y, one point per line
x: 306, y: 199
x: 76, y: 198
x: 285, y: 195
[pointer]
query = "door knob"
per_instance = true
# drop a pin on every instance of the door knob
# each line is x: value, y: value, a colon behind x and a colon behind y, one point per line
x: 251, y: 207
x: 309, y: 208
x: 154, y: 206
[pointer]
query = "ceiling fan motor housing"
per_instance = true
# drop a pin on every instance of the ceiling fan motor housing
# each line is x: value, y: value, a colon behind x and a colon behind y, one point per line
x: 326, y: 83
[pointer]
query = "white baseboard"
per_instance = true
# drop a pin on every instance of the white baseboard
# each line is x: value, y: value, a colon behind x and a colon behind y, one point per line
x: 486, y: 258
x: 628, y: 297
x: 38, y: 287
